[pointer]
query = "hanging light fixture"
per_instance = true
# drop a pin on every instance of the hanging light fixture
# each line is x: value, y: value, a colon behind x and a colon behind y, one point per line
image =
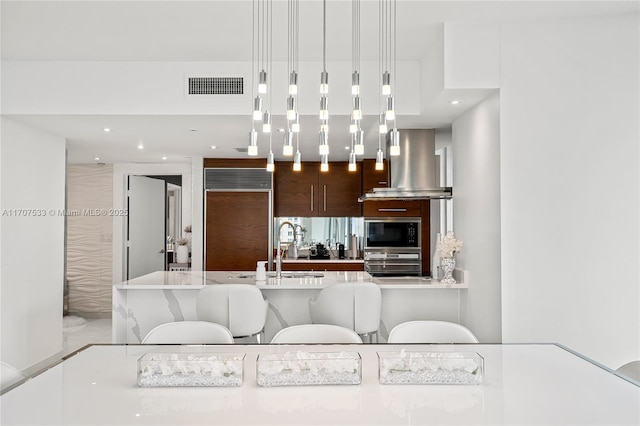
x: 388, y: 60
x: 382, y: 124
x: 323, y: 148
x: 357, y: 135
x: 266, y: 125
x: 379, y: 159
x: 291, y: 108
x: 270, y: 162
x: 352, y: 162
x: 252, y: 150
x: 287, y: 148
x: 266, y: 122
x: 257, y: 108
x: 324, y: 143
x: 297, y: 165
x: 353, y: 127
x: 358, y: 148
x: 293, y: 124
x: 324, y: 163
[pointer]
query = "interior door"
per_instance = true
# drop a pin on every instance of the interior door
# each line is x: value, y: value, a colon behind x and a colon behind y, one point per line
x: 237, y: 230
x: 146, y: 251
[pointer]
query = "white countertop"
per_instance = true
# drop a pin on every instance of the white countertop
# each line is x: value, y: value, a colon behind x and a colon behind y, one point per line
x: 172, y: 280
x: 523, y: 384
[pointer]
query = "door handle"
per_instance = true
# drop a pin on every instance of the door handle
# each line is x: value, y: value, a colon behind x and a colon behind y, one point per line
x: 392, y: 210
x: 311, y: 197
x: 324, y: 189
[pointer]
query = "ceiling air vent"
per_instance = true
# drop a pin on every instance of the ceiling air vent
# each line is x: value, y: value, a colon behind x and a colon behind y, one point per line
x: 216, y: 85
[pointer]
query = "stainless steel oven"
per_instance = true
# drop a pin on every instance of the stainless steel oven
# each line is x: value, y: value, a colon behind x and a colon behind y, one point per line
x: 392, y: 246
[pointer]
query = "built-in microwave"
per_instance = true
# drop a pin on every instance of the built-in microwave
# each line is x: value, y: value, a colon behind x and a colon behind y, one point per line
x: 393, y: 232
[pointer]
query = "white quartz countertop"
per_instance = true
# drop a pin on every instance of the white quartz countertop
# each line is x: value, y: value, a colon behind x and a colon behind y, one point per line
x: 167, y: 280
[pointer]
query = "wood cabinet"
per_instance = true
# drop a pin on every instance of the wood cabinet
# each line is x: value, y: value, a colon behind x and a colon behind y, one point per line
x: 392, y: 208
x: 237, y: 230
x: 372, y: 178
x: 312, y: 193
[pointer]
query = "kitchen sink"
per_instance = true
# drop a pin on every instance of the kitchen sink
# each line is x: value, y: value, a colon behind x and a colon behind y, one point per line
x: 300, y: 274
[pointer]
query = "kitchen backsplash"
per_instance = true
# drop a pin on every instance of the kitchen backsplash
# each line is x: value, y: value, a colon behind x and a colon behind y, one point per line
x: 330, y: 231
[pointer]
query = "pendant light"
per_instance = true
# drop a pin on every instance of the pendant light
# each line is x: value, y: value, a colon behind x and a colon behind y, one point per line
x: 324, y: 163
x: 352, y: 162
x: 357, y: 135
x: 358, y: 147
x: 252, y: 150
x: 382, y: 124
x: 388, y: 60
x: 293, y: 124
x: 287, y: 147
x: 323, y: 147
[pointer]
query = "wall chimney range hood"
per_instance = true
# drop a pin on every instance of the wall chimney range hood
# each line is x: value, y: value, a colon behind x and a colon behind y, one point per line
x: 412, y: 174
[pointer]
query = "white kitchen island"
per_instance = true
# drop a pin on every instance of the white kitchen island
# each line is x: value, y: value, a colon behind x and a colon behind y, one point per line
x: 160, y: 297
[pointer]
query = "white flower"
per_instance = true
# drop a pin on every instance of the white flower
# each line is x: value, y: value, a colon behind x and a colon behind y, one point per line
x: 449, y: 245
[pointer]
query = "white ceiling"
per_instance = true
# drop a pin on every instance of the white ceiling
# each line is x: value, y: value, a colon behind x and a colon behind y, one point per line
x: 220, y: 31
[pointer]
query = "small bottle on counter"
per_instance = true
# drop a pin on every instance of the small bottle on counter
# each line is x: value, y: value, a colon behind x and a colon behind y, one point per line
x: 261, y: 272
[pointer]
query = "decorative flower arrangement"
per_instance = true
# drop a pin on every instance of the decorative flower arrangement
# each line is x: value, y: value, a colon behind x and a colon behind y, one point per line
x: 183, y: 241
x: 449, y: 245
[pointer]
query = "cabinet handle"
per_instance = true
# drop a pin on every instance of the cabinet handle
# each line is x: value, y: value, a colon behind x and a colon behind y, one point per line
x: 392, y: 210
x: 311, y: 197
x: 382, y: 182
x: 324, y: 189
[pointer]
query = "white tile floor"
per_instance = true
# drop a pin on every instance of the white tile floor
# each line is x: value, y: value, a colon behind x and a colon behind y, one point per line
x: 74, y: 338
x: 93, y: 331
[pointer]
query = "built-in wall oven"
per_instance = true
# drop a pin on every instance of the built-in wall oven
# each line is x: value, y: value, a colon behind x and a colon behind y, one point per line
x: 392, y: 246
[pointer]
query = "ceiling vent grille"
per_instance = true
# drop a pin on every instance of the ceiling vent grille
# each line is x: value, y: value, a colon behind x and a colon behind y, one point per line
x: 235, y: 179
x: 216, y: 85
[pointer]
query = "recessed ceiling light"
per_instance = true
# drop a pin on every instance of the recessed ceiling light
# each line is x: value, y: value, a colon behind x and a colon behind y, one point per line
x: 213, y: 147
x: 96, y: 158
x: 454, y: 102
x: 164, y: 158
x: 106, y: 129
x: 140, y: 146
x: 347, y: 147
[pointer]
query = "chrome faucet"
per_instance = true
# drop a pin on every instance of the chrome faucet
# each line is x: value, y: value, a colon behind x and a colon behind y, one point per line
x: 279, y: 253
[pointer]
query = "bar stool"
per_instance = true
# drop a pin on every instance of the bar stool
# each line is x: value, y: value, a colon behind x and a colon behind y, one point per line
x: 431, y: 332
x: 356, y: 306
x: 239, y: 307
x: 189, y: 333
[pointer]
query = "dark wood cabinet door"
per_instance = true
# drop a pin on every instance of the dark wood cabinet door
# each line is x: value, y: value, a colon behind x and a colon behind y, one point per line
x: 392, y: 208
x: 339, y: 190
x: 296, y: 193
x: 372, y: 178
x: 237, y: 230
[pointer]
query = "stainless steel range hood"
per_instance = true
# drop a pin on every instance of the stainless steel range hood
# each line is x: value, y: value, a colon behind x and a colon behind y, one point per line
x: 412, y: 174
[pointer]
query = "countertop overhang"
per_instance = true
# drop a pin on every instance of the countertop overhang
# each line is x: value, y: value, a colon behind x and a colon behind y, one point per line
x: 173, y: 280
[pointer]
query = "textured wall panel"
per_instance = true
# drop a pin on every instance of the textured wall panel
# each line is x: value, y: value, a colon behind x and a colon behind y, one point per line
x: 89, y: 237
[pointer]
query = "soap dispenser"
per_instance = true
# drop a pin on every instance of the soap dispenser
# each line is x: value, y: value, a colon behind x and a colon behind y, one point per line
x: 261, y: 272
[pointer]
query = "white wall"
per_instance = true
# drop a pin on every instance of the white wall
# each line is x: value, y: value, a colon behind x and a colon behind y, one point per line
x: 120, y: 173
x: 476, y: 215
x: 570, y: 187
x: 31, y: 287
